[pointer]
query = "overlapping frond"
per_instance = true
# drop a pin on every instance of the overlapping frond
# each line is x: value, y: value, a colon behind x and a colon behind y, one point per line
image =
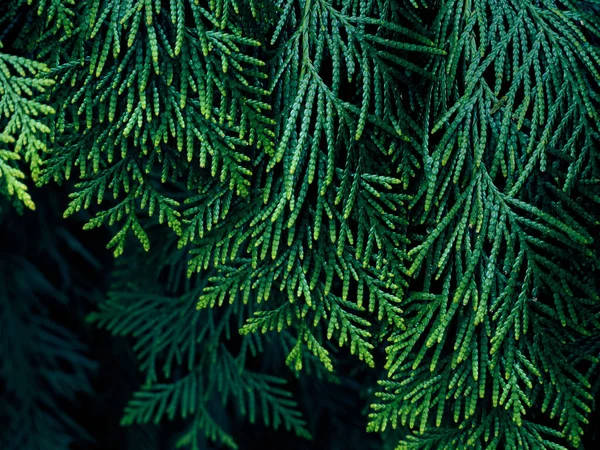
x: 506, y: 260
x: 164, y: 94
x: 23, y: 131
x: 184, y: 356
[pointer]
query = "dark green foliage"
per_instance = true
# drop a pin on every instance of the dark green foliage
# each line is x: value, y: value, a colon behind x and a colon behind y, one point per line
x: 44, y: 366
x: 187, y: 351
x: 510, y: 202
x: 415, y: 181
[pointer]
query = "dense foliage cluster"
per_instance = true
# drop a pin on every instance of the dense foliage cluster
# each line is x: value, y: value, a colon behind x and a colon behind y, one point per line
x: 416, y: 181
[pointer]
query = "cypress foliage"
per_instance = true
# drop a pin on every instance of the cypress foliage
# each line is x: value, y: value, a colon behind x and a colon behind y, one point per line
x: 417, y: 181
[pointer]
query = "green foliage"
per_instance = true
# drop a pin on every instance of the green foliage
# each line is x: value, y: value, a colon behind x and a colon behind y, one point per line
x: 509, y: 241
x: 190, y: 371
x: 416, y: 177
x: 22, y: 129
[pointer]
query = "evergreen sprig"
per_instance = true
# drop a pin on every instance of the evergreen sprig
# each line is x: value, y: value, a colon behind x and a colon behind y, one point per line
x: 187, y: 365
x: 22, y: 127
